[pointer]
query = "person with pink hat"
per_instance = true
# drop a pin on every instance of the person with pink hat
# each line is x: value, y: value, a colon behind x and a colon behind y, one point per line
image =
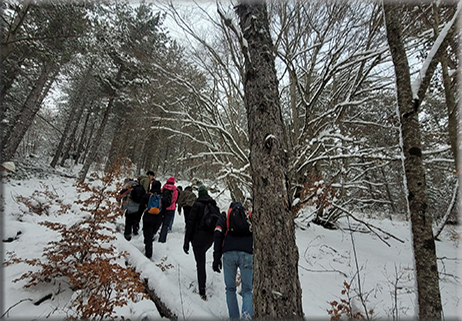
x: 169, y: 195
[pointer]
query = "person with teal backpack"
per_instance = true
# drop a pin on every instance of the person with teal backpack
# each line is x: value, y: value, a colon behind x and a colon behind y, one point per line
x: 151, y: 209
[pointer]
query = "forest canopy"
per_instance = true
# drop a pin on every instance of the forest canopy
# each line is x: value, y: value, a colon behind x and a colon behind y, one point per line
x: 93, y: 82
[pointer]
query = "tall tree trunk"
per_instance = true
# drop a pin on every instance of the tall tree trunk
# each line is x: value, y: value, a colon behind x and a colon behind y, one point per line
x: 428, y: 292
x: 276, y: 287
x: 29, y: 110
x: 73, y: 132
x: 87, y: 144
x: 118, y: 142
x: 82, y: 137
x: 60, y: 147
x: 10, y: 35
x: 449, y: 94
x: 99, y: 134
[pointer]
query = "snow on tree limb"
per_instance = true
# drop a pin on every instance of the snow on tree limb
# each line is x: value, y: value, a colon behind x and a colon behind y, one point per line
x: 431, y: 55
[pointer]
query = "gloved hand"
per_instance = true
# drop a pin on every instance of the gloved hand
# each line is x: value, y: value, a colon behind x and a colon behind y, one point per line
x: 186, y: 248
x: 217, y: 265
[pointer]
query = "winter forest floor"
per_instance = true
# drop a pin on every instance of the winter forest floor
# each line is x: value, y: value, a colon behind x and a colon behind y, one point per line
x: 330, y: 261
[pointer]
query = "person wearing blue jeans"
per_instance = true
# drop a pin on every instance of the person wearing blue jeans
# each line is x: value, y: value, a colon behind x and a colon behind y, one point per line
x: 244, y: 261
x: 236, y: 247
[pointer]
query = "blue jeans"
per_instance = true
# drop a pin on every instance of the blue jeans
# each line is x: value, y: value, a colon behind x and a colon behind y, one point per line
x: 244, y: 261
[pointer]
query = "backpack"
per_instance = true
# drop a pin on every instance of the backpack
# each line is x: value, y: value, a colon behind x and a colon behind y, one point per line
x: 209, y: 219
x: 167, y: 195
x: 137, y: 193
x: 239, y: 221
x: 154, y: 204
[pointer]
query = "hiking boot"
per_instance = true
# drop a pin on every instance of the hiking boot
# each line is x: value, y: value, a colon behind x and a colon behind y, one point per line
x: 203, y: 297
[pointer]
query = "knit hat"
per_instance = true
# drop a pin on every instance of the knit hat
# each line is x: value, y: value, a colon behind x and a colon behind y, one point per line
x: 171, y: 180
x: 202, y: 191
x: 9, y: 166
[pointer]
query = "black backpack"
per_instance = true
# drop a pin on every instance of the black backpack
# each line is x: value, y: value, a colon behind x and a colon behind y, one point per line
x: 137, y: 193
x: 239, y: 221
x: 166, y: 195
x: 209, y: 219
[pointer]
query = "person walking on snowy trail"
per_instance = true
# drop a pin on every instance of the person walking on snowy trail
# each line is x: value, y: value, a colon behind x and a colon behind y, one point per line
x: 169, y: 195
x: 234, y: 240
x: 152, y: 220
x: 185, y: 202
x: 151, y: 180
x: 144, y: 180
x: 130, y: 197
x: 180, y: 190
x: 199, y: 235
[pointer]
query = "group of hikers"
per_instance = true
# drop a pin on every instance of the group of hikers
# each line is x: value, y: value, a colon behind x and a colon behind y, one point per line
x: 229, y: 232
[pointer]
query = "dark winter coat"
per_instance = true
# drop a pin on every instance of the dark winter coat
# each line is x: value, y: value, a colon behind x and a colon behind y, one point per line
x: 224, y: 241
x: 126, y: 202
x: 194, y: 232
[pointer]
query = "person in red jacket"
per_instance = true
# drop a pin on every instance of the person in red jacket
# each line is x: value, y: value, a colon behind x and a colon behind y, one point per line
x: 169, y: 206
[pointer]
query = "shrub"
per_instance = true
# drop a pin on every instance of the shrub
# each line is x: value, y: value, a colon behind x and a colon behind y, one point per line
x: 85, y: 257
x: 344, y: 310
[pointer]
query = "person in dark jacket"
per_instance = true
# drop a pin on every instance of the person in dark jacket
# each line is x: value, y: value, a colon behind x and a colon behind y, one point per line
x: 151, y: 222
x: 201, y: 239
x: 151, y: 180
x: 130, y: 208
x: 185, y: 202
x: 237, y: 251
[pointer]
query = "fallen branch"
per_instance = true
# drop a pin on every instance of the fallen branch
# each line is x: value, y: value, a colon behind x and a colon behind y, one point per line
x: 46, y: 297
x: 369, y: 226
x: 163, y: 309
x: 439, y: 229
x: 11, y: 307
x: 323, y: 271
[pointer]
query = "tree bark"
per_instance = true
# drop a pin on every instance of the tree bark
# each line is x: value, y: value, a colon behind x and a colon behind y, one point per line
x: 29, y: 110
x: 449, y: 94
x: 428, y: 293
x: 276, y: 286
x: 99, y: 134
x: 10, y: 36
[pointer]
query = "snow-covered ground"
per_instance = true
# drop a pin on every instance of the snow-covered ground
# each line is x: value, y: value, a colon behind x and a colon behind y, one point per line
x: 327, y: 260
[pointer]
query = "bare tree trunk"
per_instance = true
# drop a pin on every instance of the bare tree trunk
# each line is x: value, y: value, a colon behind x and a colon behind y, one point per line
x: 428, y: 292
x: 10, y: 35
x: 276, y: 286
x: 99, y: 134
x: 82, y: 138
x: 449, y: 94
x: 29, y: 110
x: 73, y: 132
x: 87, y: 145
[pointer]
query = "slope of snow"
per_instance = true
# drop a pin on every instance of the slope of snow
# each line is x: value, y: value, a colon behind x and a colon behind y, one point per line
x: 327, y: 260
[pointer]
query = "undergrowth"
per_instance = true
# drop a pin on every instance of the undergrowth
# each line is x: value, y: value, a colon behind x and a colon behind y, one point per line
x: 84, y: 255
